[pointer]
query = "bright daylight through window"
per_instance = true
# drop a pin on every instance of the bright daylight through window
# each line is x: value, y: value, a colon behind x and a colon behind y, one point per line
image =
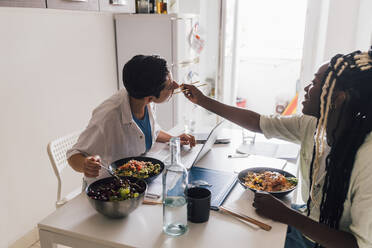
x: 269, y: 51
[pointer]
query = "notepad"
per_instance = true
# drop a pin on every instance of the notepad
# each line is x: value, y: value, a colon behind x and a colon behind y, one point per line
x: 222, y: 183
x: 284, y: 150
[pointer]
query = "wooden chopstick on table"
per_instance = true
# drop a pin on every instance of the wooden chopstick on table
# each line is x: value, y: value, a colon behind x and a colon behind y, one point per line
x: 191, y: 83
x: 147, y: 202
x: 228, y: 211
x: 246, y: 218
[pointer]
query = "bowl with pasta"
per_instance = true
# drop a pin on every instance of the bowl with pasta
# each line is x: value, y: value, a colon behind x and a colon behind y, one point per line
x: 274, y: 181
x: 145, y: 168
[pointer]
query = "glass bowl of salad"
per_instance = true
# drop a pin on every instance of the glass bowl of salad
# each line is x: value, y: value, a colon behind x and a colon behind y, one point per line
x: 116, y: 198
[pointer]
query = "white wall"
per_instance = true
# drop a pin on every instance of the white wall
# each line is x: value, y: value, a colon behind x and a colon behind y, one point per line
x: 364, y: 25
x: 342, y: 25
x: 334, y: 26
x: 55, y: 67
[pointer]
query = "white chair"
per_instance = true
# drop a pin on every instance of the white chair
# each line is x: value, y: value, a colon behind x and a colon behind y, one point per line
x: 57, y: 154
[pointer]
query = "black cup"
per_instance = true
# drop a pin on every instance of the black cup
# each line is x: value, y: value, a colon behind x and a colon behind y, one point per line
x: 198, y: 204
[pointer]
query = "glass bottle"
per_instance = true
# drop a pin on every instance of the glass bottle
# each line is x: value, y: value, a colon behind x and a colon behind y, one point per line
x: 152, y: 6
x: 142, y: 6
x: 174, y: 186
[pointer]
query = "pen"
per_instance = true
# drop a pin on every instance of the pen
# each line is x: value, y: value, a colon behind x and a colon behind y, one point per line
x: 238, y: 155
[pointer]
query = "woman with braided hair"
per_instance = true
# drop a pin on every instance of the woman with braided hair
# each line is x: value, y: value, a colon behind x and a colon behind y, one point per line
x: 335, y: 158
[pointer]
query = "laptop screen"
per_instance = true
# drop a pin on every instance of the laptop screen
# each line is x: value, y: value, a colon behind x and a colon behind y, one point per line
x: 212, y: 137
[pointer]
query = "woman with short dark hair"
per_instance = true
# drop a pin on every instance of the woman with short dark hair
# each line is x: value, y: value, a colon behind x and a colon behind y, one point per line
x: 125, y: 125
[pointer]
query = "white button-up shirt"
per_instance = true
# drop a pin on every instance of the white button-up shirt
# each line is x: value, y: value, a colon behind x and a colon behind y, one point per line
x: 112, y: 133
x: 357, y: 214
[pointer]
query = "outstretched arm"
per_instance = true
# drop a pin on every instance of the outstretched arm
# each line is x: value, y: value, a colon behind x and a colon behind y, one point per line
x: 243, y: 117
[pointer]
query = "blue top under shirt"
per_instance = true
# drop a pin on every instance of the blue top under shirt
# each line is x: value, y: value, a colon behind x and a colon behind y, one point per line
x: 145, y: 126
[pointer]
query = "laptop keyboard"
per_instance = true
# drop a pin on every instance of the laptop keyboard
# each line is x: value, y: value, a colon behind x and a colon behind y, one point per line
x: 187, y: 155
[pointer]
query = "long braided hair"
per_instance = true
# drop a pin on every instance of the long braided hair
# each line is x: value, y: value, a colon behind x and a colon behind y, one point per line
x: 351, y: 73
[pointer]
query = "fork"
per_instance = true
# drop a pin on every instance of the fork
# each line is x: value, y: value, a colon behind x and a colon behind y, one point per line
x: 110, y: 172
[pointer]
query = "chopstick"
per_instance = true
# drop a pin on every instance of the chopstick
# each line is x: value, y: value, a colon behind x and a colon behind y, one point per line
x: 146, y: 202
x: 191, y: 83
x: 152, y: 195
x: 246, y: 218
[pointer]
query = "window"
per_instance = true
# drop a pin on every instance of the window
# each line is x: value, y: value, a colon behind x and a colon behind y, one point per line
x: 267, y: 50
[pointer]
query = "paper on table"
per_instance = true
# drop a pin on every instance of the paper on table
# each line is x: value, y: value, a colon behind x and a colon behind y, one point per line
x: 287, y: 150
x: 274, y: 150
x: 156, y: 186
x: 261, y: 161
x: 159, y: 151
x: 243, y: 205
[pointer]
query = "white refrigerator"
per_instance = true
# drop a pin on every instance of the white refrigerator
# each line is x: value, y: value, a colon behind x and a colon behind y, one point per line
x: 171, y: 37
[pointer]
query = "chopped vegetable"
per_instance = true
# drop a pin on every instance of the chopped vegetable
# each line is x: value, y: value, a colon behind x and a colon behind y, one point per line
x: 138, y: 169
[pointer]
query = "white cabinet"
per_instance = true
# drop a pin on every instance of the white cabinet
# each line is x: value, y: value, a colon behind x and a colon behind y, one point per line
x: 169, y: 37
x: 23, y: 3
x: 91, y: 5
x: 122, y: 6
x: 117, y: 6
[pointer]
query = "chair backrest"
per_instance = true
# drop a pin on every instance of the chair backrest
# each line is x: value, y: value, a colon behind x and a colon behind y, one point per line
x: 57, y: 154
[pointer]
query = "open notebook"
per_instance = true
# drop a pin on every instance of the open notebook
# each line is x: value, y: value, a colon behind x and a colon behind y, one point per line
x: 221, y: 183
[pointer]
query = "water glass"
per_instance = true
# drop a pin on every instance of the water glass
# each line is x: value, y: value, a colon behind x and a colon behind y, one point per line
x: 248, y: 137
x: 189, y: 125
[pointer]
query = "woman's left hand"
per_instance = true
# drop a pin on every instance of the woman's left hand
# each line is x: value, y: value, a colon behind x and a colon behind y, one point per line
x: 187, y: 139
x: 271, y: 207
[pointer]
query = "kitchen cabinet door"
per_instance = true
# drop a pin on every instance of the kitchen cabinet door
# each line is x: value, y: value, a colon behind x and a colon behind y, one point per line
x: 122, y: 6
x: 91, y: 5
x: 23, y: 3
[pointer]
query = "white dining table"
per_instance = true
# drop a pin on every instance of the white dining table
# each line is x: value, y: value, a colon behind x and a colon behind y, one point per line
x: 77, y: 224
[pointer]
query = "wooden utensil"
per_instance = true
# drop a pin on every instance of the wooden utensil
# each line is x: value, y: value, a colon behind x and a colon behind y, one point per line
x: 246, y: 218
x: 146, y: 202
x: 191, y: 83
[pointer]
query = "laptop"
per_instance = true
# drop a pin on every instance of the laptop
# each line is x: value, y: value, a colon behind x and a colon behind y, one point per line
x: 189, y: 156
x: 220, y: 182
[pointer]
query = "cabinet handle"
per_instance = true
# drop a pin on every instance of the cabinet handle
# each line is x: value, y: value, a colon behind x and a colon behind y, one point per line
x: 77, y: 1
x: 119, y: 2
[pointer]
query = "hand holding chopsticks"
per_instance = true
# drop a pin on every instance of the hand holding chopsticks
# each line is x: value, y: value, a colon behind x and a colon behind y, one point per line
x: 183, y: 90
x: 246, y: 218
